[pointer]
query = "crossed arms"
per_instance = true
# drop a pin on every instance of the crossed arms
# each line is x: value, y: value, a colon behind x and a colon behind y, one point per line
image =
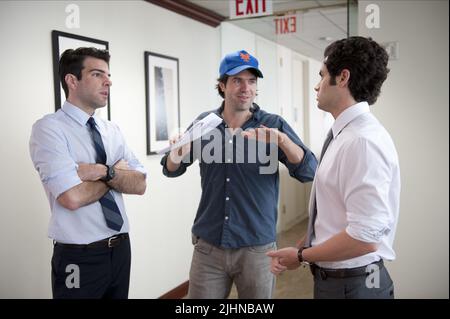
x: 92, y: 188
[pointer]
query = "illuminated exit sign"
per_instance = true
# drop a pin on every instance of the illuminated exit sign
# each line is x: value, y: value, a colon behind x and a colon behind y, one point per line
x: 250, y: 8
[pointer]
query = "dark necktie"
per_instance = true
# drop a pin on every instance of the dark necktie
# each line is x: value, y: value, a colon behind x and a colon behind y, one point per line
x: 111, y: 212
x: 313, y: 206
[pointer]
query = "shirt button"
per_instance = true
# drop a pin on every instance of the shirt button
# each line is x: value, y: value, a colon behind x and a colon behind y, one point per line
x: 227, y: 198
x: 229, y: 160
x: 226, y: 217
x: 230, y: 141
x: 228, y: 179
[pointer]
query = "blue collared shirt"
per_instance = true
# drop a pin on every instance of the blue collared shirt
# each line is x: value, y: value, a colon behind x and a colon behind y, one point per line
x: 238, y: 205
x: 58, y: 142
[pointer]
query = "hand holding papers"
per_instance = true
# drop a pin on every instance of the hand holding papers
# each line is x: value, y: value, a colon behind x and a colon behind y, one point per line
x: 197, y: 130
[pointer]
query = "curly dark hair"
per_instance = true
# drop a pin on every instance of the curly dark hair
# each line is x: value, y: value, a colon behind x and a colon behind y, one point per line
x: 367, y: 62
x: 71, y: 62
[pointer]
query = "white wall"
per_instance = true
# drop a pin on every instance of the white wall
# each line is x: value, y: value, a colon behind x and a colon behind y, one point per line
x: 267, y: 57
x: 160, y: 225
x: 414, y: 108
x: 161, y: 219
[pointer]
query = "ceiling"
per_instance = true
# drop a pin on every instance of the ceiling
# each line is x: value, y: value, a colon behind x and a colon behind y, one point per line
x: 319, y: 22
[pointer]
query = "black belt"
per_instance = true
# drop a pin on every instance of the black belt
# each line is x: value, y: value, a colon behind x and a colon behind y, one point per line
x: 323, y: 273
x: 110, y: 242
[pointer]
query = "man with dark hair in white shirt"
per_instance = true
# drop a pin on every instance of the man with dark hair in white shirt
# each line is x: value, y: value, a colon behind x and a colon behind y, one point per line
x: 354, y: 202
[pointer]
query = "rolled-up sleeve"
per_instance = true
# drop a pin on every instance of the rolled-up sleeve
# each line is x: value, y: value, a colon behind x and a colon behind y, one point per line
x: 50, y: 155
x: 128, y: 155
x: 180, y: 170
x: 365, y: 191
x: 305, y: 170
x: 133, y: 162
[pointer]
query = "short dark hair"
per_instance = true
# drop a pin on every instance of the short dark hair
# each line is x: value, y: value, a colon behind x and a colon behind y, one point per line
x: 71, y: 62
x: 367, y: 62
x: 224, y: 78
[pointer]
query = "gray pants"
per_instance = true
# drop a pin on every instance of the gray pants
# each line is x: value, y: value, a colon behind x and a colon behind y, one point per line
x: 377, y: 285
x: 214, y: 269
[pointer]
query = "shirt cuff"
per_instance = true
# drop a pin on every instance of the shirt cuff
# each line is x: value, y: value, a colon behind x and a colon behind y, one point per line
x: 139, y: 169
x: 305, y: 170
x: 59, y: 185
x: 168, y: 173
x: 366, y: 234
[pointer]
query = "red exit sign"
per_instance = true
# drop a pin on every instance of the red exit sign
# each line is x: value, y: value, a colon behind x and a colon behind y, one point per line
x: 286, y: 24
x: 249, y: 8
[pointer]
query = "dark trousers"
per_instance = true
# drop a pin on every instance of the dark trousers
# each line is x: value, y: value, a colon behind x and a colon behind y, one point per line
x: 376, y: 285
x: 91, y: 272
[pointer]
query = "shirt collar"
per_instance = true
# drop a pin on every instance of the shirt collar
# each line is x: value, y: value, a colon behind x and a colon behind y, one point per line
x: 349, y: 115
x: 255, y: 109
x: 78, y: 114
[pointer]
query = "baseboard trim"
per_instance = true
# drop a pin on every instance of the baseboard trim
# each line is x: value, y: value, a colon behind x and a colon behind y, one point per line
x: 178, y: 292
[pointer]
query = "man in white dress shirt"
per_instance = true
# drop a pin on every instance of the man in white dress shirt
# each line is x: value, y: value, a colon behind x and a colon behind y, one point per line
x: 354, y: 202
x: 85, y: 166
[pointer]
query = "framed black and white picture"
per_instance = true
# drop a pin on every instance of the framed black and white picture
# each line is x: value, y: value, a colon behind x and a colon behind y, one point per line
x: 62, y: 41
x: 162, y: 100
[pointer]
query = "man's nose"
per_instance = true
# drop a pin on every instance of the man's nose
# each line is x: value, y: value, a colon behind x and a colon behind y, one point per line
x: 244, y: 86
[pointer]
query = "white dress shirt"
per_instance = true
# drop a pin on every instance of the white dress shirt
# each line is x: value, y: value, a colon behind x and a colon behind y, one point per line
x: 358, y: 186
x: 58, y: 142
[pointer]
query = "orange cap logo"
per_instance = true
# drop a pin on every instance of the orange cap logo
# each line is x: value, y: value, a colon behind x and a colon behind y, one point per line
x: 245, y: 57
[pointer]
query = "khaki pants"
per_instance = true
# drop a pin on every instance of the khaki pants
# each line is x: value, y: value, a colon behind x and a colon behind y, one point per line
x: 214, y: 269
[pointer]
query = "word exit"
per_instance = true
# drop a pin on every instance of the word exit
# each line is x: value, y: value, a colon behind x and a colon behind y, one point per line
x: 249, y: 8
x: 286, y: 25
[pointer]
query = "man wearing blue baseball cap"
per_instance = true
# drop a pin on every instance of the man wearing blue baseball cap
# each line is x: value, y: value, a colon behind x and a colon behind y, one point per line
x: 235, y: 225
x: 239, y: 61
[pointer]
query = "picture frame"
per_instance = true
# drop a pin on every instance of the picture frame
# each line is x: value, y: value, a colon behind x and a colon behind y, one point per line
x: 162, y: 99
x: 62, y: 41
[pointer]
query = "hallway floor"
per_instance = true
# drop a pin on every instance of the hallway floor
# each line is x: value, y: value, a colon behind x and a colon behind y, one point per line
x: 292, y: 284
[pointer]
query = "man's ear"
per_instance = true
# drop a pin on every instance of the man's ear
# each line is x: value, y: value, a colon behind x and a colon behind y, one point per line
x: 343, y: 78
x: 71, y: 81
x: 222, y: 86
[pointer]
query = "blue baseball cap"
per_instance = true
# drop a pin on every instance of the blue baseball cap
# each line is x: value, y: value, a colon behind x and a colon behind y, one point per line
x: 238, y: 61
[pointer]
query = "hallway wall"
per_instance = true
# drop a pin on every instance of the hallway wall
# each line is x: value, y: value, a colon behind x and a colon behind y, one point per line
x: 161, y: 219
x: 414, y: 108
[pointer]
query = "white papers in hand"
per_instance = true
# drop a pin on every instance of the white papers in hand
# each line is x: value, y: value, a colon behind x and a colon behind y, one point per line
x: 197, y: 130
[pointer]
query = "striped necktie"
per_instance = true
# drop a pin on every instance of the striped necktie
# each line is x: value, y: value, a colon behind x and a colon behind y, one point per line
x: 110, y: 209
x: 313, y: 206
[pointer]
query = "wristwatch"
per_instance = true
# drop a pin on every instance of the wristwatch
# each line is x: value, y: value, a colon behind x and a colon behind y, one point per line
x: 300, y: 257
x: 110, y: 173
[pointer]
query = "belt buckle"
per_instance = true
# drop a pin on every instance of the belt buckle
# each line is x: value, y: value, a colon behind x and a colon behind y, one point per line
x: 110, y: 245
